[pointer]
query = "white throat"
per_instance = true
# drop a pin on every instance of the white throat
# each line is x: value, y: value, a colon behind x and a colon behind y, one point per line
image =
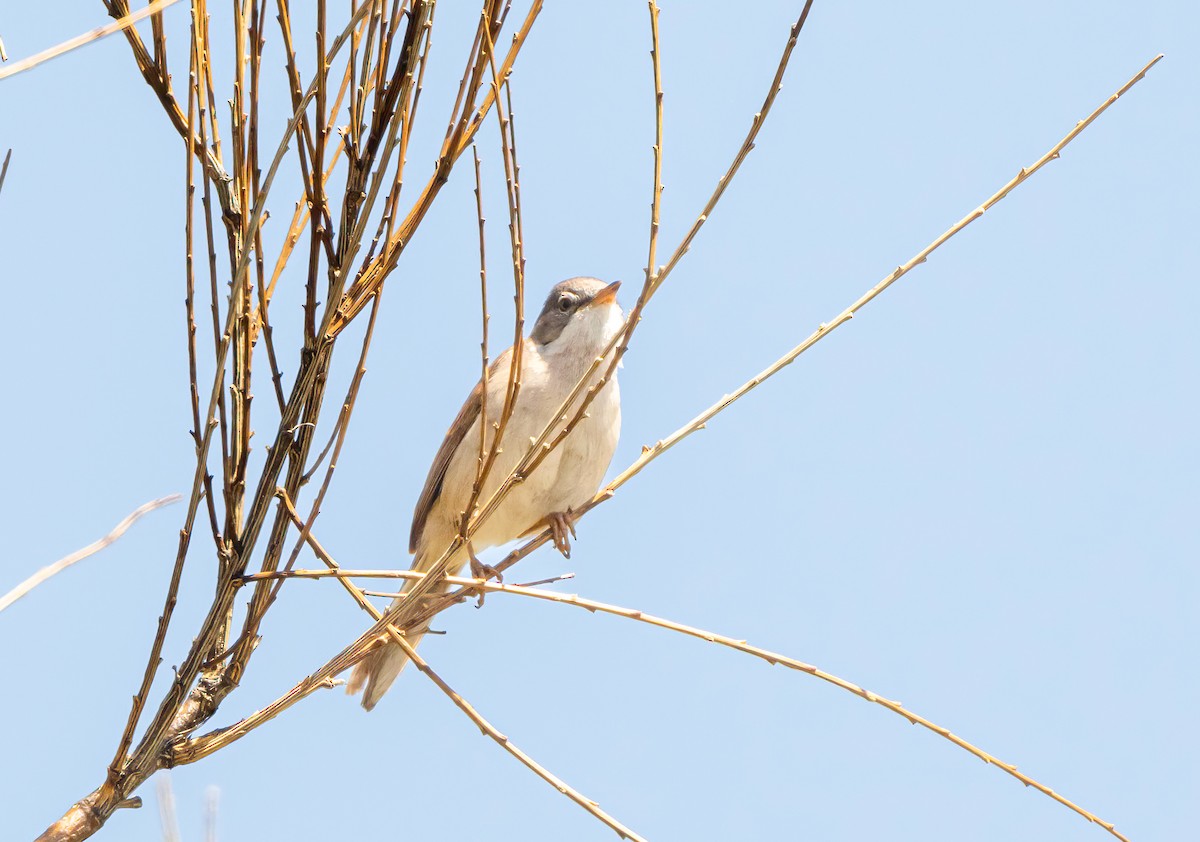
x: 587, y: 334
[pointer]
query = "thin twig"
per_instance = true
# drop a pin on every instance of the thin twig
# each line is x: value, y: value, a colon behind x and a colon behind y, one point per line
x: 80, y: 554
x: 398, y: 101
x: 543, y: 445
x: 656, y: 200
x: 84, y: 39
x: 513, y: 388
x: 4, y: 168
x: 483, y: 310
x: 486, y: 727
x: 202, y: 480
x: 173, y: 712
x: 341, y: 428
x: 200, y: 683
x: 192, y: 749
x: 773, y: 658
x: 372, y: 276
x: 167, y: 814
x: 489, y: 730
x: 212, y: 796
x: 791, y: 663
x: 649, y: 454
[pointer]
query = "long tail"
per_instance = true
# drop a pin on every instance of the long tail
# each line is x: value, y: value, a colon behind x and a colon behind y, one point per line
x: 379, y: 669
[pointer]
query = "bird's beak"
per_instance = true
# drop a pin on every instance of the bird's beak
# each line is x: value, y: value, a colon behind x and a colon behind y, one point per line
x: 606, y: 295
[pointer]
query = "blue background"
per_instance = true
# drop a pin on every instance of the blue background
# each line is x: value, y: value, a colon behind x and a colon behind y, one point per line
x: 979, y: 497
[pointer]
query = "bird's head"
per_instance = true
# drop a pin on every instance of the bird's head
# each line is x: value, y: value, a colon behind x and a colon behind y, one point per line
x: 580, y: 315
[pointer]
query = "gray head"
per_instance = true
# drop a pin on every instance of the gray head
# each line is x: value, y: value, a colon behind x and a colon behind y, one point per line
x: 566, y: 299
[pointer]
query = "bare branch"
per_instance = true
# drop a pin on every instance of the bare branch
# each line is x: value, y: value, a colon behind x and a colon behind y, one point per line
x: 486, y: 727
x: 543, y: 445
x: 84, y: 39
x: 656, y: 200
x: 375, y: 273
x: 774, y: 658
x: 747, y: 145
x: 483, y: 333
x: 489, y: 730
x: 649, y: 454
x: 80, y: 554
x: 4, y: 168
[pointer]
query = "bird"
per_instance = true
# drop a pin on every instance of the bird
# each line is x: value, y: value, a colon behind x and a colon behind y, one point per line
x: 577, y: 323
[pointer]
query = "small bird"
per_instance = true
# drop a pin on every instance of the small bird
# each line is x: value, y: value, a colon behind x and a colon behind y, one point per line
x: 579, y: 319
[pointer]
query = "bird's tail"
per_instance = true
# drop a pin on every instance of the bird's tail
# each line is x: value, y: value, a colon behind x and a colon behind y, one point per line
x: 381, y: 667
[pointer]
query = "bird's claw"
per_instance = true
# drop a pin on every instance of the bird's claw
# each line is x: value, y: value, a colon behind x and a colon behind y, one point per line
x: 562, y: 524
x: 479, y: 570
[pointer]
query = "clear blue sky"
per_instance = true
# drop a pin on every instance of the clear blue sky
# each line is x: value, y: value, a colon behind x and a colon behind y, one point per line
x: 978, y: 498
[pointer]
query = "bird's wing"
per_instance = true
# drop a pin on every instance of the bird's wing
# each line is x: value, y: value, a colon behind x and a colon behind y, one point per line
x: 454, y: 437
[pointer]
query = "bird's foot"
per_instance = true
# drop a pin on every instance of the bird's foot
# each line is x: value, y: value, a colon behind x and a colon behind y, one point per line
x: 479, y: 570
x: 562, y: 524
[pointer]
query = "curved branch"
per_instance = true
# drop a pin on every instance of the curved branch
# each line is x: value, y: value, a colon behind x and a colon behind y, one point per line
x: 80, y: 554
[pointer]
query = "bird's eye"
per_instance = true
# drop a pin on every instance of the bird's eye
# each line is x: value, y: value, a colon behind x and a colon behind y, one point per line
x: 566, y: 303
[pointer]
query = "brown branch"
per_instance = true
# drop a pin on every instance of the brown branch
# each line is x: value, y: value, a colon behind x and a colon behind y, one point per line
x: 395, y: 100
x: 264, y: 596
x: 372, y: 276
x: 540, y: 448
x: 341, y: 428
x: 489, y: 730
x: 656, y: 200
x: 508, y: 154
x: 202, y: 92
x: 774, y: 658
x: 202, y: 682
x: 543, y: 445
x: 161, y: 86
x: 486, y: 727
x: 483, y: 331
x: 649, y: 454
x: 202, y: 483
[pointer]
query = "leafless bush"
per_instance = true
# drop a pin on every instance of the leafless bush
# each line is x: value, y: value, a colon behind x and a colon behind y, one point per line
x: 353, y: 114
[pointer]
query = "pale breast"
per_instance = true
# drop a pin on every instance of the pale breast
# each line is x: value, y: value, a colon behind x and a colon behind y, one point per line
x: 567, y: 478
x: 588, y: 451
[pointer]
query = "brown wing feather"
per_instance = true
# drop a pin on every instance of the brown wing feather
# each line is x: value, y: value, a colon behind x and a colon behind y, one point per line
x: 454, y: 437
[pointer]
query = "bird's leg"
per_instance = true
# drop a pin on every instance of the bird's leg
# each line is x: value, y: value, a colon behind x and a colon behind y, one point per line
x: 479, y: 570
x: 562, y: 524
